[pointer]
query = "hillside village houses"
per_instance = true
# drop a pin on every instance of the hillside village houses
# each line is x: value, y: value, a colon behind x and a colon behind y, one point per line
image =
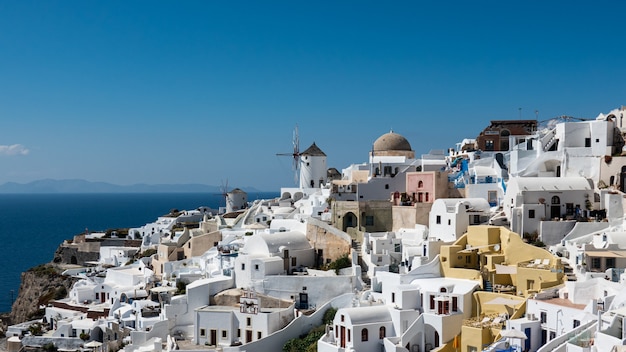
x: 513, y: 240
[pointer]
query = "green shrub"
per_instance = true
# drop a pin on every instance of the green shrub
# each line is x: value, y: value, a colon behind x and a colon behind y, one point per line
x: 44, y: 270
x: 148, y: 253
x: 342, y: 262
x: 61, y: 292
x: 36, y: 329
x: 181, y: 287
x: 307, y: 343
x: 49, y: 347
x: 329, y: 315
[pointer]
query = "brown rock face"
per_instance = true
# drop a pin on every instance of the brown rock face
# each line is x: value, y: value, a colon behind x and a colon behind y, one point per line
x: 39, y: 285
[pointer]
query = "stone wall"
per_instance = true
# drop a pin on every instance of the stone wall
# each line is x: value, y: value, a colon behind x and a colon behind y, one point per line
x: 77, y: 254
x: 332, y: 242
x: 408, y: 216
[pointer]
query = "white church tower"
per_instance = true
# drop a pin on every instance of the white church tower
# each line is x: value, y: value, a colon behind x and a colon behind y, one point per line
x: 312, y: 167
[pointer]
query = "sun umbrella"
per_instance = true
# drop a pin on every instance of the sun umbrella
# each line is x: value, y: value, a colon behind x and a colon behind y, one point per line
x: 93, y: 344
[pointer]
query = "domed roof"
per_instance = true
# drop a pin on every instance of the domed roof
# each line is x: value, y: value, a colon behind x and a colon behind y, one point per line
x: 391, y: 141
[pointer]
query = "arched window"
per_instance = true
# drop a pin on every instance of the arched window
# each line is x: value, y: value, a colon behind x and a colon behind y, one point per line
x: 420, y: 184
x: 381, y: 332
x: 364, y: 334
x: 443, y: 290
x: 556, y: 200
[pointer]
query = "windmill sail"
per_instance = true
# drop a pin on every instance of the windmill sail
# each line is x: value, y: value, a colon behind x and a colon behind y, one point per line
x: 295, y: 155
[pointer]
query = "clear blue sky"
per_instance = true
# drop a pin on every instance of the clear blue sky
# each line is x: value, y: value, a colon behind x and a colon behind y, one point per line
x: 203, y: 91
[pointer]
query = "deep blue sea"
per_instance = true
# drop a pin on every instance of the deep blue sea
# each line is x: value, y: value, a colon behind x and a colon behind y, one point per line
x: 33, y: 225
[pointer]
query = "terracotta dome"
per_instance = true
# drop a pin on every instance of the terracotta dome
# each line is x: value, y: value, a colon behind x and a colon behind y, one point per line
x: 391, y: 142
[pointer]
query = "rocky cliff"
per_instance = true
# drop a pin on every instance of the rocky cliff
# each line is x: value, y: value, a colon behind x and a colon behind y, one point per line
x: 39, y: 285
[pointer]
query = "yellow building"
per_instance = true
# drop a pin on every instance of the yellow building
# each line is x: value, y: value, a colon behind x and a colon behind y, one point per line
x: 508, y: 269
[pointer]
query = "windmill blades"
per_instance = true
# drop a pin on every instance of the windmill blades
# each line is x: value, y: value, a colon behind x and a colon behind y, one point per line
x: 224, y: 189
x: 296, y: 148
x: 296, y: 154
x: 296, y: 141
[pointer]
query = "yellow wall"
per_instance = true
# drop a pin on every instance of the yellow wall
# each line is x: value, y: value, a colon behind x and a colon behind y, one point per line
x: 476, y: 337
x: 198, y: 245
x: 459, y: 262
x: 482, y: 299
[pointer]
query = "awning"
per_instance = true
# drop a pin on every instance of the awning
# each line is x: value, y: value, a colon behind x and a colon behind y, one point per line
x: 606, y: 254
x: 342, y: 182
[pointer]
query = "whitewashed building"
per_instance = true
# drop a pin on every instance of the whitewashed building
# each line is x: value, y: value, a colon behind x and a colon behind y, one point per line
x: 531, y: 200
x: 450, y: 217
x: 232, y: 325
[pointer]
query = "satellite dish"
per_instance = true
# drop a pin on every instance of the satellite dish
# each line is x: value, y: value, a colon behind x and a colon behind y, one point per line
x: 496, y: 247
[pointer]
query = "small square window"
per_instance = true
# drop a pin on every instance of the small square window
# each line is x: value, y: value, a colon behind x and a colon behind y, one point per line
x: 202, y: 332
x: 531, y: 213
x: 224, y: 334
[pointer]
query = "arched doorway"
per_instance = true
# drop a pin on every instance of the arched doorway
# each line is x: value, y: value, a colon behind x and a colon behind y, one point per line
x: 349, y: 220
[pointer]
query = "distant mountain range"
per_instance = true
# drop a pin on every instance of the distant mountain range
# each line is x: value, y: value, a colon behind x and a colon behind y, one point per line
x: 82, y: 186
